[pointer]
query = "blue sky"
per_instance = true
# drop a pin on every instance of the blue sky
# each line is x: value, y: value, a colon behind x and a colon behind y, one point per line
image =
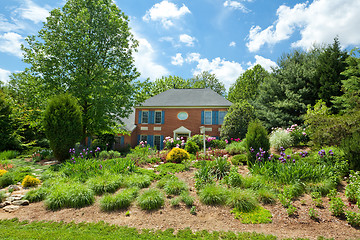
x: 183, y: 38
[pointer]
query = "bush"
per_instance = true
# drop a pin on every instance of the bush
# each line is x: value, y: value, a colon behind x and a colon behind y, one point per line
x: 2, y: 196
x: 256, y: 139
x: 2, y: 172
x: 239, y: 159
x: 63, y: 124
x: 351, y: 147
x: 36, y: 195
x: 236, y: 147
x: 151, y: 199
x: 191, y: 147
x: 30, y: 181
x: 177, y: 155
x: 337, y: 206
x: 235, y: 179
x: 7, y: 179
x: 119, y: 201
x: 280, y: 138
x: 237, y: 119
x: 174, y: 186
x: 353, y: 218
x: 218, y: 144
x: 104, y: 155
x: 220, y: 167
x: 212, y: 194
x: 242, y: 199
x: 352, y: 189
x: 10, y: 154
x: 204, y: 175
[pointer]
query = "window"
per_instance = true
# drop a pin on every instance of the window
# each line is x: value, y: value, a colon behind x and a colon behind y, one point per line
x: 182, y: 115
x: 158, y: 117
x: 145, y: 117
x: 208, y: 117
x: 222, y: 116
x: 157, y: 142
x: 143, y: 138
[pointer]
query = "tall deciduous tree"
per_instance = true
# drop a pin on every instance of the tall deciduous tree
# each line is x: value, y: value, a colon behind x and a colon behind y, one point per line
x: 85, y: 49
x: 208, y: 80
x: 247, y: 85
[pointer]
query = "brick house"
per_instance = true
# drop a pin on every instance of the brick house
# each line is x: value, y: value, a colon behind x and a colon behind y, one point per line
x: 176, y: 113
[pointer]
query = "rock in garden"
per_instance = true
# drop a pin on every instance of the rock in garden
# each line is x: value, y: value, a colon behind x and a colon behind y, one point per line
x: 11, y: 208
x: 3, y: 204
x: 21, y: 202
x: 17, y: 196
x: 14, y: 187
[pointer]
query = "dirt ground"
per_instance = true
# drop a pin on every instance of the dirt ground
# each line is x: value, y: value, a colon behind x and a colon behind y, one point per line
x: 212, y: 218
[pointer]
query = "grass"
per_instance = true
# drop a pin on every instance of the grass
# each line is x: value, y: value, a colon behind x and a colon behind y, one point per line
x: 243, y: 200
x: 187, y: 199
x: 14, y: 229
x: 105, y: 183
x: 36, y: 195
x: 2, y: 195
x: 256, y: 216
x: 170, y: 168
x: 118, y: 201
x: 137, y: 180
x: 151, y: 199
x: 213, y: 194
x: 174, y: 187
x: 10, y: 154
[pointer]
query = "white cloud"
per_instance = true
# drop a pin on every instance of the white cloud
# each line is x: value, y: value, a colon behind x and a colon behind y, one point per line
x: 178, y: 60
x: 11, y: 43
x: 232, y: 44
x: 145, y: 60
x: 226, y: 71
x: 318, y: 22
x: 187, y: 39
x: 264, y: 62
x: 4, y: 75
x: 236, y: 5
x: 165, y: 12
x: 6, y: 26
x: 33, y: 12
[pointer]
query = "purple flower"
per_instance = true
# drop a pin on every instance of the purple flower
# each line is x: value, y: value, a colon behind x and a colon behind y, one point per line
x: 74, y: 161
x: 100, y: 166
x: 288, y: 156
x: 251, y: 149
x: 84, y: 150
x: 282, y: 149
x: 70, y: 150
x: 293, y: 160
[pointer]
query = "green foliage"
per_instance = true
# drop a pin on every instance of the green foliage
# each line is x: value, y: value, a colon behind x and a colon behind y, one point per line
x: 337, y: 206
x: 313, y: 214
x: 7, y: 179
x: 220, y: 167
x: 191, y: 147
x: 174, y: 186
x: 257, y: 216
x: 237, y: 120
x: 353, y: 218
x: 236, y: 147
x: 175, y: 201
x: 240, y: 159
x: 316, y: 198
x: 177, y: 155
x: 105, y: 183
x: 323, y: 187
x: 212, y: 194
x: 266, y: 196
x: 352, y: 189
x: 137, y: 180
x: 8, y: 134
x: 234, y: 179
x: 170, y: 168
x: 118, y: 201
x: 193, y: 210
x: 2, y: 196
x: 244, y: 200
x: 151, y: 199
x: 256, y: 139
x: 187, y: 199
x: 30, y: 181
x: 291, y: 210
x: 280, y: 138
x: 9, y: 154
x: 254, y: 182
x: 69, y: 195
x: 36, y: 195
x: 351, y: 147
x: 62, y: 124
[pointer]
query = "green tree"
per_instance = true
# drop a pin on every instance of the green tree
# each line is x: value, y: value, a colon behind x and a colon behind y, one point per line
x: 208, y: 80
x: 237, y: 119
x: 165, y: 83
x: 85, y: 49
x: 330, y: 64
x: 247, y: 85
x: 8, y: 134
x: 63, y: 124
x: 257, y: 142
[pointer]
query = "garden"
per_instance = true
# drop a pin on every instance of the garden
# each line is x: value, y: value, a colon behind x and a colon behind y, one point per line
x: 262, y: 184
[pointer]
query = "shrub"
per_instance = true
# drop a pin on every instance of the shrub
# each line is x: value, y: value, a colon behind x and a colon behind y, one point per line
x: 191, y: 147
x: 199, y: 140
x: 353, y: 218
x: 218, y: 144
x: 337, y: 206
x: 234, y: 179
x: 7, y: 179
x: 239, y: 159
x: 237, y: 119
x: 104, y: 155
x: 2, y: 172
x: 236, y: 147
x: 256, y: 139
x: 352, y: 189
x: 313, y: 214
x: 351, y: 147
x: 30, y: 181
x: 204, y: 175
x: 212, y: 194
x: 137, y: 180
x: 9, y: 154
x: 119, y: 201
x: 174, y: 186
x: 280, y: 138
x: 177, y: 155
x: 63, y: 124
x: 36, y: 195
x: 105, y: 183
x: 266, y: 196
x: 242, y: 199
x: 220, y: 167
x: 291, y: 210
x: 151, y: 199
x: 2, y: 196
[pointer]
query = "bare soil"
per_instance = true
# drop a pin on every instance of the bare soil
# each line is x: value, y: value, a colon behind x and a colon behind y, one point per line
x: 211, y: 218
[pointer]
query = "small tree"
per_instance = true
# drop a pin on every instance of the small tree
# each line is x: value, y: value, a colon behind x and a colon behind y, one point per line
x: 63, y: 124
x: 237, y: 119
x: 257, y: 141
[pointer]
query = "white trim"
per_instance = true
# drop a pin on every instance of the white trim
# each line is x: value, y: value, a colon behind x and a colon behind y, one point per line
x: 144, y: 128
x: 157, y: 128
x: 155, y: 116
x: 210, y: 117
x: 182, y: 130
x: 142, y: 113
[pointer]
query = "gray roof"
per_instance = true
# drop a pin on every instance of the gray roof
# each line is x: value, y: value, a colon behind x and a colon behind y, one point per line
x: 195, y: 97
x: 129, y: 123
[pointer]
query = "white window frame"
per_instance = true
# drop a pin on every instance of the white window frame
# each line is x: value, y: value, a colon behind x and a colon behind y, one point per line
x: 223, y: 118
x: 160, y: 117
x: 142, y: 117
x: 210, y: 117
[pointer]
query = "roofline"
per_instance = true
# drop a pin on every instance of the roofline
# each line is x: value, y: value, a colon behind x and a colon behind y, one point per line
x: 227, y: 106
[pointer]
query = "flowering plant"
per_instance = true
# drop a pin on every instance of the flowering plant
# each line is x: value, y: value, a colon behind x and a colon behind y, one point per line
x: 170, y: 143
